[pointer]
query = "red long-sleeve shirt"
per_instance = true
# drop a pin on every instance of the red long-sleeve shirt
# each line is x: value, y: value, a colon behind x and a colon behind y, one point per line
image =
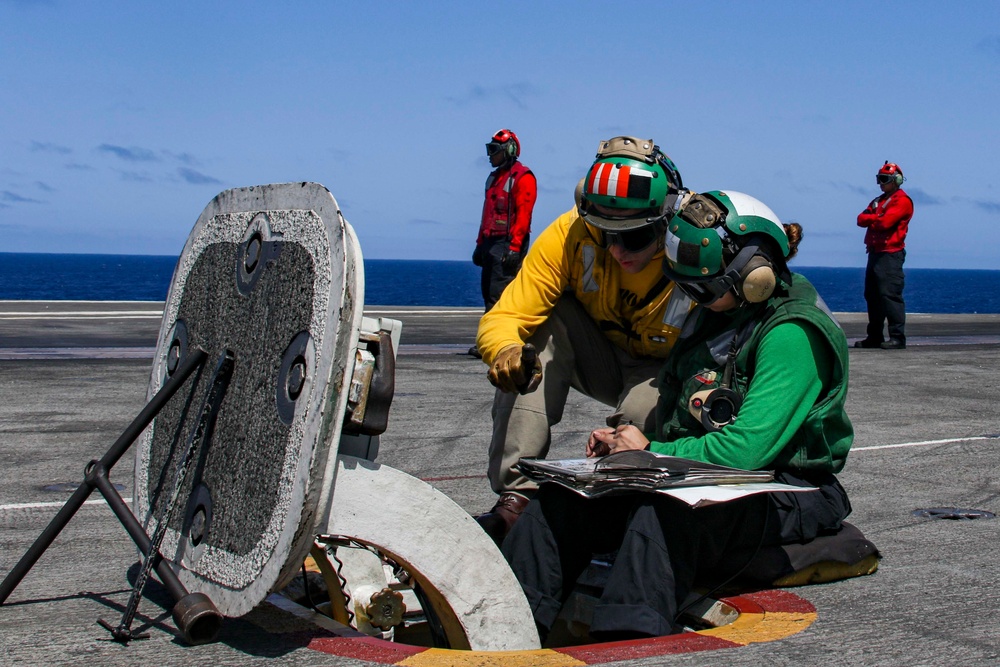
x: 887, y: 219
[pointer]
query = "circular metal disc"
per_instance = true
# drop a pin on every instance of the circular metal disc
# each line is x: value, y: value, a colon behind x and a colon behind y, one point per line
x: 270, y: 275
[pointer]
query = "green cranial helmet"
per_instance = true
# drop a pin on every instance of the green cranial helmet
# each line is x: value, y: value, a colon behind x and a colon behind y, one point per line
x: 630, y: 185
x: 720, y: 241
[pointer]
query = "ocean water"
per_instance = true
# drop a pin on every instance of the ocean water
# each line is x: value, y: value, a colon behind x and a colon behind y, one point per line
x: 31, y: 276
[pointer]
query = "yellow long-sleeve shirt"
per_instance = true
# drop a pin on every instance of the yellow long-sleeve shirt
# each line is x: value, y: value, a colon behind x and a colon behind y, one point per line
x: 639, y: 313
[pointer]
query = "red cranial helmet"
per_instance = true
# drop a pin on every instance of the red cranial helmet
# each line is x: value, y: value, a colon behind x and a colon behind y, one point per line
x: 509, y: 141
x: 889, y: 172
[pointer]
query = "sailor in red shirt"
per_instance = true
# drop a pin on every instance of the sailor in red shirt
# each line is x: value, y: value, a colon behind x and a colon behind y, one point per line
x: 886, y: 219
x: 506, y: 222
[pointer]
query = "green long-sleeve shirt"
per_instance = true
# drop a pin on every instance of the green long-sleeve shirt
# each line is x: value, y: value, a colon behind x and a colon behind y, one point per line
x: 791, y: 372
x: 793, y: 366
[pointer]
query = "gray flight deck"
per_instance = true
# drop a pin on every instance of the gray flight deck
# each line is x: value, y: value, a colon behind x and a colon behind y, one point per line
x: 74, y: 374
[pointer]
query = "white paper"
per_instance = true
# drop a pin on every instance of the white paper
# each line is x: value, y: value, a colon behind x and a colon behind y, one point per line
x: 701, y: 496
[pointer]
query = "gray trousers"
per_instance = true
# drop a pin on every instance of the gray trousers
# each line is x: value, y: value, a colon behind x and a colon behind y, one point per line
x: 574, y: 353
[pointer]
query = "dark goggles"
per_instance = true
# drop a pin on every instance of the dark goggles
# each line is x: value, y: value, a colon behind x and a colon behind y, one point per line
x: 633, y: 240
x: 705, y: 293
x: 708, y: 291
x: 493, y: 148
x: 885, y: 178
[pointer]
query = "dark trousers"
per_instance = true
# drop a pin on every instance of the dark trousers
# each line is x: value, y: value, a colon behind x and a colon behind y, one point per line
x: 494, y: 277
x: 884, y: 295
x: 663, y: 547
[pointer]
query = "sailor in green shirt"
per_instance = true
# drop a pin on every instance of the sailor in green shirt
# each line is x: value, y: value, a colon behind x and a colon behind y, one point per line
x: 756, y: 380
x: 793, y: 369
x: 785, y: 355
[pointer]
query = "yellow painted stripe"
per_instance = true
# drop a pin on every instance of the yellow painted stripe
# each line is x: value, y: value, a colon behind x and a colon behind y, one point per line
x: 745, y: 625
x: 770, y: 626
x: 781, y: 624
x: 750, y: 627
x: 437, y: 657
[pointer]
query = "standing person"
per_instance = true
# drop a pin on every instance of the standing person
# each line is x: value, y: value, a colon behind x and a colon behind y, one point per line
x: 594, y: 306
x: 886, y: 220
x: 762, y: 344
x: 505, y: 229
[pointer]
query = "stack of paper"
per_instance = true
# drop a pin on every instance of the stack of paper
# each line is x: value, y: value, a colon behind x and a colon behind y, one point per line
x: 639, y: 470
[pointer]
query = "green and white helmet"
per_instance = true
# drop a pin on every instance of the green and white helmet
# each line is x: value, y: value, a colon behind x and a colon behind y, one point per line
x: 632, y: 176
x: 721, y: 241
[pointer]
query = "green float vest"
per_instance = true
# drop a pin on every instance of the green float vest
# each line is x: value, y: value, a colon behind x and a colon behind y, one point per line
x: 698, y: 359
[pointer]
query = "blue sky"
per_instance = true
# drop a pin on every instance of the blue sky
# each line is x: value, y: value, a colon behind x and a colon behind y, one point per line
x: 120, y: 121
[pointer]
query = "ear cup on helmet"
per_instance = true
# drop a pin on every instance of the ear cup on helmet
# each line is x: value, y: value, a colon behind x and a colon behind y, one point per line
x: 892, y: 169
x: 757, y: 280
x: 511, y: 149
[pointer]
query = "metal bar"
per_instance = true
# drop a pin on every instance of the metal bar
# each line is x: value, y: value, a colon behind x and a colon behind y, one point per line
x: 138, y: 534
x: 195, y: 359
x: 202, y: 434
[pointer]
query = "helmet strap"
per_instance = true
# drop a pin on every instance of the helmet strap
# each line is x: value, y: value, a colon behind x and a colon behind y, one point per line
x: 734, y: 276
x: 673, y: 175
x: 508, y: 160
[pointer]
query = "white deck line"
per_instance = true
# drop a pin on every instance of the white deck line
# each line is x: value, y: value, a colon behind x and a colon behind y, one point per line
x: 54, y: 504
x: 923, y: 443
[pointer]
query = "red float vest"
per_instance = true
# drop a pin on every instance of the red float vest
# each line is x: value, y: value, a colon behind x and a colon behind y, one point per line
x: 498, y: 208
x: 887, y: 219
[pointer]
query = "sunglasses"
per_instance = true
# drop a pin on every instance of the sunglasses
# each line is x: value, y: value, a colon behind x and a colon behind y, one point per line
x: 633, y: 240
x: 885, y: 178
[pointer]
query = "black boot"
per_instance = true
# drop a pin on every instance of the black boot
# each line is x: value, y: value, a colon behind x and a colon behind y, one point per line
x: 501, y: 518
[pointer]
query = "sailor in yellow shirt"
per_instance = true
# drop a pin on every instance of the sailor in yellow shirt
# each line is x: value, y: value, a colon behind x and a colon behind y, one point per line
x: 590, y: 309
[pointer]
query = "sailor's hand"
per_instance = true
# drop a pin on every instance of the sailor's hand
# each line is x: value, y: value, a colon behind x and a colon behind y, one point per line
x: 477, y: 255
x: 516, y: 369
x: 510, y: 261
x: 604, y: 441
x: 596, y: 445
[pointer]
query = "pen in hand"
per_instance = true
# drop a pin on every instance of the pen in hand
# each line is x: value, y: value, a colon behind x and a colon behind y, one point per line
x: 604, y: 441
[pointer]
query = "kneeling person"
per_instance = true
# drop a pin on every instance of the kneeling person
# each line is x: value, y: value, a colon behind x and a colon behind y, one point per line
x: 592, y: 301
x: 763, y: 342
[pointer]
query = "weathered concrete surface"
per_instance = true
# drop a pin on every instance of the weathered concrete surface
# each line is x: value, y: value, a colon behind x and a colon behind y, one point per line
x: 935, y: 600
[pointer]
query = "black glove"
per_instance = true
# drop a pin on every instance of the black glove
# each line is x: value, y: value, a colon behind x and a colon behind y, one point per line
x: 477, y: 255
x: 510, y: 261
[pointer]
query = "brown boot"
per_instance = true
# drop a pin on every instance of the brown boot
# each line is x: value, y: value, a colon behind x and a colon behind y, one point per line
x: 499, y: 520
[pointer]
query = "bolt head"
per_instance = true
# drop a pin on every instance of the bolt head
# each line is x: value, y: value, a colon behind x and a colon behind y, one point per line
x: 198, y: 521
x: 173, y: 356
x: 252, y: 254
x: 296, y: 378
